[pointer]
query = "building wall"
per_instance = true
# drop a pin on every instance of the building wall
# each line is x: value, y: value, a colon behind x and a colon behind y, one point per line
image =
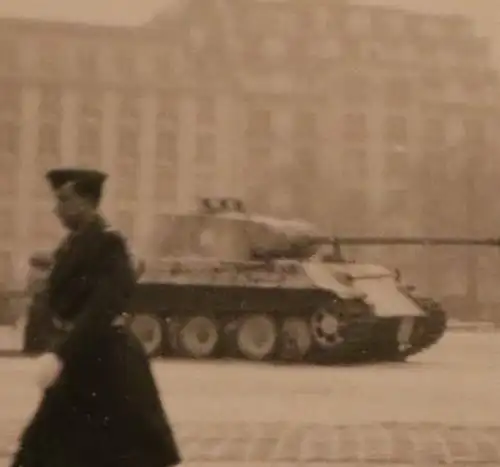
x: 363, y: 120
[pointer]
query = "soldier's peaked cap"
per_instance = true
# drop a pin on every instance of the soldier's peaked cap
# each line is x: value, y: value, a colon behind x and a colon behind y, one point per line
x: 86, y: 182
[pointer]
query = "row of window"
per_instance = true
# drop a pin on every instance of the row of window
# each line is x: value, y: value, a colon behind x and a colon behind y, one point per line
x: 92, y: 57
x: 352, y: 87
x: 354, y: 20
x: 353, y: 127
x: 360, y: 127
x: 91, y: 105
x: 89, y: 142
x: 275, y: 49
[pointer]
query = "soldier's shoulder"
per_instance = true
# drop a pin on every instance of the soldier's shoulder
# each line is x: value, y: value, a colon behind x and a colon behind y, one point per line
x: 111, y: 231
x: 113, y: 235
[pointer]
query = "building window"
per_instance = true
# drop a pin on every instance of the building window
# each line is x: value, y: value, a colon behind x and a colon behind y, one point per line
x: 352, y: 206
x: 258, y: 197
x: 397, y: 165
x: 281, y: 200
x: 206, y: 110
x: 206, y: 150
x: 395, y: 204
x: 305, y: 159
x: 128, y: 148
x: 49, y: 140
x: 87, y: 61
x: 356, y: 88
x: 89, y: 145
x: 129, y: 108
x: 259, y: 157
x: 9, y: 55
x: 474, y: 50
x: 325, y: 50
x: 377, y: 51
x: 50, y: 58
x: 128, y: 164
x: 127, y: 182
x: 320, y: 19
x: 167, y: 147
x: 456, y: 27
x: 433, y: 83
x: 434, y: 132
x: 165, y: 185
x: 474, y: 130
x: 274, y: 48
x: 125, y: 222
x: 124, y: 63
x: 91, y: 105
x: 162, y: 66
x: 10, y: 100
x: 359, y: 21
x: 10, y: 137
x: 414, y: 24
x: 355, y: 127
x: 259, y: 123
x: 431, y: 27
x: 396, y: 130
x: 398, y: 92
x: 50, y: 105
x: 306, y: 125
x: 395, y: 23
x: 472, y: 83
x: 197, y: 37
x: 205, y: 183
x: 168, y: 110
x: 355, y: 165
x: 353, y: 49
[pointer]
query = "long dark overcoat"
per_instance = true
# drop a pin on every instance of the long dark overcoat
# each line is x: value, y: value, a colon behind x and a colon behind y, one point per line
x: 104, y: 410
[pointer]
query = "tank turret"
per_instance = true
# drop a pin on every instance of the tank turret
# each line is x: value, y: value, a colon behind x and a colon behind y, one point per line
x: 222, y: 228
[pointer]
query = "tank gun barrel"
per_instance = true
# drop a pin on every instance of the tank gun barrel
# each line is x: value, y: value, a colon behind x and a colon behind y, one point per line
x: 414, y: 241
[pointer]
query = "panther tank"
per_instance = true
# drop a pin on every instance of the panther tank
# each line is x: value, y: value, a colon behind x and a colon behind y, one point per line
x: 222, y: 283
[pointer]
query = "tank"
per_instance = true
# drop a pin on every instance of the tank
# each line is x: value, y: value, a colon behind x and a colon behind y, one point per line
x: 222, y: 283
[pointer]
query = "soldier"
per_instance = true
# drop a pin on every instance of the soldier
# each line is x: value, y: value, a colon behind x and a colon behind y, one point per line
x: 100, y: 405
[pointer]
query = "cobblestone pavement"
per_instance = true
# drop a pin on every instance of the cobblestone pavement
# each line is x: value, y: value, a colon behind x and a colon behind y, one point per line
x: 443, y: 408
x: 284, y: 444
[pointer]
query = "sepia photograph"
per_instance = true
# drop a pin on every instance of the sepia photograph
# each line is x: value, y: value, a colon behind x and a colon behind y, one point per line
x: 258, y: 233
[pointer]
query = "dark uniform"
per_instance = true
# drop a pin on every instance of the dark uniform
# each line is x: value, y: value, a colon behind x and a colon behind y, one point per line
x: 104, y: 409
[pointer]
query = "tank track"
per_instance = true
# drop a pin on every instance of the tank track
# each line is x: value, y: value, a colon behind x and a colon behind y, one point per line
x: 363, y: 339
x: 433, y: 327
x: 428, y: 330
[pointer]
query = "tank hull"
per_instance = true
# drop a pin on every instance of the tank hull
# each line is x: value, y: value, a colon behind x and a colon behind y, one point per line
x: 264, y: 324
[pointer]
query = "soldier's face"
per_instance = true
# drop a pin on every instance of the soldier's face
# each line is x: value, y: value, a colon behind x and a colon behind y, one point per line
x: 70, y: 207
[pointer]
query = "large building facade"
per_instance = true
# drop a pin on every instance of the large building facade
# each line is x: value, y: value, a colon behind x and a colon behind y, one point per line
x: 365, y: 120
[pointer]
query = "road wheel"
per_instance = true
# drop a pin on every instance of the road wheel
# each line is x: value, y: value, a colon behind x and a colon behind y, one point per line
x: 296, y: 339
x: 256, y: 337
x: 325, y: 329
x: 150, y: 331
x: 199, y: 337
